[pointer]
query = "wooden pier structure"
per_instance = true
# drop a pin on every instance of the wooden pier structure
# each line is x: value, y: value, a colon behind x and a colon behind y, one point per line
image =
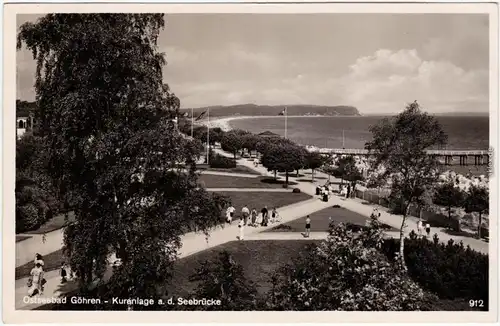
x: 448, y: 157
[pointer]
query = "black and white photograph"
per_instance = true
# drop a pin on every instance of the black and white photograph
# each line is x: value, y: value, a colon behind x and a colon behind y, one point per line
x: 193, y: 161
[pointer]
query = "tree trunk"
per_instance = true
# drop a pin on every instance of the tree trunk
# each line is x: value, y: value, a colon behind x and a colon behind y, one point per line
x: 479, y: 226
x: 234, y: 155
x: 402, y: 237
x: 286, y: 177
x: 312, y: 175
x: 275, y: 177
x: 297, y: 173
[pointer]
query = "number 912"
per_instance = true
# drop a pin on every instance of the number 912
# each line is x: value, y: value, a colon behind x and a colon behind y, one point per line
x: 476, y: 303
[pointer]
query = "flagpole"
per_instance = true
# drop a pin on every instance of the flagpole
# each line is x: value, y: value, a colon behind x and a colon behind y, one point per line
x: 343, y: 144
x: 208, y: 135
x: 286, y: 118
x: 192, y: 122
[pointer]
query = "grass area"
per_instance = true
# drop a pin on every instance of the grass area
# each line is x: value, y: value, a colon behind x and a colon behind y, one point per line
x: 320, y: 221
x: 53, y: 224
x: 258, y: 258
x: 221, y: 181
x: 238, y: 169
x: 20, y: 238
x: 258, y: 200
x: 51, y: 261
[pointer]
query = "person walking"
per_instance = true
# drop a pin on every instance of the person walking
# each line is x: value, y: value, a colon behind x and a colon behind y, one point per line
x: 63, y: 273
x: 246, y: 213
x: 230, y: 213
x: 428, y: 229
x: 36, y: 280
x: 420, y: 227
x: 348, y: 194
x: 241, y: 227
x: 274, y: 215
x: 254, y: 217
x: 265, y: 213
x: 308, y: 227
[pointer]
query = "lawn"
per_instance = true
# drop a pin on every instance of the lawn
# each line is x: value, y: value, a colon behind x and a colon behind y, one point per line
x: 51, y: 261
x: 20, y: 238
x: 221, y: 181
x: 53, y: 224
x: 320, y: 221
x: 238, y: 169
x: 258, y: 200
x: 258, y: 258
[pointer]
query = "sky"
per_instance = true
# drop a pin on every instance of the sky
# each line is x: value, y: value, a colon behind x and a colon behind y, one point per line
x: 375, y: 62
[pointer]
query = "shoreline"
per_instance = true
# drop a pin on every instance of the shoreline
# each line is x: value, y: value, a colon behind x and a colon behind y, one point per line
x: 223, y: 122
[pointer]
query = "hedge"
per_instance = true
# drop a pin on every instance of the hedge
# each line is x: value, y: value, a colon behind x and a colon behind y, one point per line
x: 222, y: 162
x: 450, y: 271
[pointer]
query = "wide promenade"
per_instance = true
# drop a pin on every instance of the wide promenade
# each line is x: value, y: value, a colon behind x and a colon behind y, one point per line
x: 196, y: 242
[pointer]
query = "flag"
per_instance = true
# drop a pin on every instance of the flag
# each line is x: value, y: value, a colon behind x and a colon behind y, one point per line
x: 282, y: 112
x: 201, y: 115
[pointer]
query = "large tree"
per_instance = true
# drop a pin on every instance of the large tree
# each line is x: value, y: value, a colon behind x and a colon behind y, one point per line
x: 477, y: 201
x: 346, y: 169
x: 398, y: 150
x: 283, y: 158
x: 104, y: 113
x: 232, y: 142
x: 313, y: 161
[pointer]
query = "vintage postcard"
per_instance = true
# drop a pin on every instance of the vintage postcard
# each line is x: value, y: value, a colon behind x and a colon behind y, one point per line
x: 309, y: 162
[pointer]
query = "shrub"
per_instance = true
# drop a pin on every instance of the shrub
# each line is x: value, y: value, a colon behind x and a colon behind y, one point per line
x: 285, y: 185
x: 296, y: 190
x: 28, y: 218
x: 450, y: 271
x: 222, y: 162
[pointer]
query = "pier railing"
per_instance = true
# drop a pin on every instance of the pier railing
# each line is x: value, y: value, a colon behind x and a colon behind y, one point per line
x: 437, y: 152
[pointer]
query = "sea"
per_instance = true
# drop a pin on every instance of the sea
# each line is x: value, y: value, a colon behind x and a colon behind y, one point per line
x: 464, y: 132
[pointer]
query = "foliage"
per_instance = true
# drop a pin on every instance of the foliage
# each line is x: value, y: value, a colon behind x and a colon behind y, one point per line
x: 313, y: 161
x: 347, y: 272
x: 104, y: 114
x: 346, y: 169
x: 399, y: 146
x: 232, y: 142
x: 449, y: 270
x: 222, y: 162
x: 448, y: 194
x: 284, y: 157
x: 36, y: 195
x: 250, y: 142
x: 477, y: 200
x: 224, y: 279
x: 296, y: 190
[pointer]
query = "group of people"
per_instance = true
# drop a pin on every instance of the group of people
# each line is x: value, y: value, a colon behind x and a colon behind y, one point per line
x: 37, y: 281
x: 345, y: 190
x: 249, y: 217
x: 420, y: 228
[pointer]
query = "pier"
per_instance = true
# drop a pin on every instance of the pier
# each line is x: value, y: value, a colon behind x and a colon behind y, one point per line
x: 448, y: 157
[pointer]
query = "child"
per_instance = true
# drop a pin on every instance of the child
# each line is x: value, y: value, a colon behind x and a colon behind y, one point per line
x: 308, y: 226
x: 241, y: 226
x: 428, y: 229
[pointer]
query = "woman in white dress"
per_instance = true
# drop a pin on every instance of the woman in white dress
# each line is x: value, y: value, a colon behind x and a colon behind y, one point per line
x: 36, y: 276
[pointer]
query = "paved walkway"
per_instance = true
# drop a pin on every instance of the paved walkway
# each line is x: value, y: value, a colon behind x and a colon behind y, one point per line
x: 249, y: 189
x: 232, y: 174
